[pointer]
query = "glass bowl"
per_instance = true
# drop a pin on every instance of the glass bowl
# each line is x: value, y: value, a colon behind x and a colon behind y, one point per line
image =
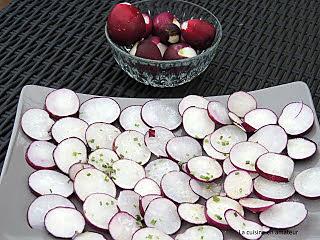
x: 168, y: 73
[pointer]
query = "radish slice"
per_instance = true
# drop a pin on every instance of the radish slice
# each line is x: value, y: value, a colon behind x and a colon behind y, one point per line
x: 217, y: 206
x: 192, y: 213
x: 192, y: 101
x: 128, y: 201
x: 68, y: 152
x: 238, y: 184
x: 122, y: 226
x: 218, y: 113
x: 100, y: 109
x: 181, y: 149
x: 204, y: 232
x: 160, y: 113
x: 62, y: 103
x: 156, y: 169
x: 162, y: 214
x: 99, y: 208
x: 101, y: 135
x: 275, y: 167
x: 37, y: 124
x: 147, y: 186
x: 228, y: 167
x: 226, y: 137
x: 89, y: 181
x: 130, y: 119
x: 130, y: 145
x: 272, y: 137
x: 296, y: 118
x: 260, y: 117
x: 69, y: 127
x: 77, y: 167
x: 273, y: 191
x: 197, y: 123
x: 150, y: 233
x: 284, y: 215
x: 175, y: 185
x: 50, y: 182
x: 255, y: 204
x: 42, y: 205
x: 89, y: 236
x: 145, y: 201
x: 240, y: 123
x: 247, y: 229
x: 156, y: 140
x: 301, y: 148
x: 205, y: 190
x: 127, y: 173
x: 62, y: 222
x: 306, y: 183
x: 39, y: 155
x: 102, y: 159
x: 204, y: 169
x: 241, y: 103
x: 207, y: 147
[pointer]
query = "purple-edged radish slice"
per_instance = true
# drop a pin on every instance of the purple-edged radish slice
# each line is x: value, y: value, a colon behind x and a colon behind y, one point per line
x: 69, y: 127
x: 218, y: 113
x: 181, y: 149
x: 192, y: 101
x: 77, y: 167
x: 150, y: 233
x: 273, y: 191
x: 192, y: 213
x: 260, y: 117
x: 99, y: 208
x: 130, y: 119
x: 68, y: 152
x: 102, y: 159
x: 147, y: 186
x: 62, y: 103
x: 204, y: 169
x: 89, y: 181
x: 130, y: 145
x: 101, y: 109
x: 240, y: 123
x: 205, y: 190
x: 296, y: 118
x: 50, y: 182
x: 306, y: 183
x: 228, y: 167
x: 197, y: 123
x: 247, y: 229
x: 205, y: 232
x: 145, y: 201
x: 238, y: 184
x: 156, y: 140
x: 301, y: 148
x: 255, y: 204
x: 122, y: 226
x: 89, y: 236
x: 128, y: 201
x: 39, y: 155
x: 275, y: 167
x: 156, y: 169
x: 284, y: 215
x: 241, y: 103
x: 42, y: 205
x: 175, y: 186
x: 161, y: 113
x: 207, y: 147
x: 37, y: 124
x: 62, y: 222
x: 162, y: 214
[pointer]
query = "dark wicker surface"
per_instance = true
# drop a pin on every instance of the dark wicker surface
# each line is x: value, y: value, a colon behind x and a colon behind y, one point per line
x: 61, y: 44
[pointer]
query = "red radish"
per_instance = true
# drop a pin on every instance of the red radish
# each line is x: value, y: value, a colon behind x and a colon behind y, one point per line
x: 145, y: 201
x: 39, y: 155
x: 156, y: 169
x: 128, y: 201
x: 157, y: 141
x: 149, y: 24
x: 37, y: 124
x: 156, y: 40
x: 198, y: 33
x: 163, y: 19
x: 167, y: 27
x: 126, y: 24
x: 146, y: 49
x: 204, y: 169
x: 62, y: 103
x: 102, y: 159
x: 260, y: 117
x: 205, y: 232
x: 301, y: 148
x: 192, y: 213
x: 306, y: 183
x: 228, y: 167
x: 77, y: 167
x: 150, y: 233
x: 238, y: 184
x: 241, y: 103
x: 218, y: 113
x: 207, y: 147
x: 205, y: 190
x: 147, y: 186
x: 89, y: 236
x: 192, y: 101
x: 255, y: 204
x: 179, y: 51
x: 130, y: 119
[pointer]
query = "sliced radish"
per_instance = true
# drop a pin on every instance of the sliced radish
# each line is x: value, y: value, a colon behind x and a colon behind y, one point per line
x: 100, y: 109
x: 99, y: 208
x: 156, y: 169
x: 37, y: 124
x: 147, y: 186
x: 203, y: 232
x: 260, y: 117
x: 296, y: 118
x: 103, y: 159
x: 150, y: 233
x: 89, y: 181
x: 62, y: 103
x: 160, y: 113
x: 162, y: 214
x: 62, y: 222
x: 175, y: 185
x: 89, y: 236
x: 156, y: 140
x: 130, y: 145
x: 122, y: 226
x: 228, y: 167
x: 192, y: 213
x: 130, y: 119
x: 273, y: 191
x: 68, y: 152
x: 255, y: 204
x: 128, y: 201
x: 184, y: 167
x: 240, y: 123
x: 145, y: 201
x: 205, y: 190
x: 39, y: 155
x: 238, y: 184
x: 69, y: 127
x: 204, y: 169
x: 42, y: 205
x: 306, y: 183
x: 284, y: 215
x: 192, y: 101
x: 241, y: 103
x: 275, y: 167
x: 301, y: 148
x: 212, y: 152
x: 77, y: 167
x: 50, y: 182
x: 218, y: 113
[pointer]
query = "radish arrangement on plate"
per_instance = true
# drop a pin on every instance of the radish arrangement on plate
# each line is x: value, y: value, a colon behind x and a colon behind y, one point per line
x: 136, y: 177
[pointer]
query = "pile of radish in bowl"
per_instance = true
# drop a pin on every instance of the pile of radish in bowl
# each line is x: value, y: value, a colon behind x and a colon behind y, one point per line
x: 162, y: 171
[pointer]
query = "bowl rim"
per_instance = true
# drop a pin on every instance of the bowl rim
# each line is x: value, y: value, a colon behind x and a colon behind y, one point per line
x: 216, y: 43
